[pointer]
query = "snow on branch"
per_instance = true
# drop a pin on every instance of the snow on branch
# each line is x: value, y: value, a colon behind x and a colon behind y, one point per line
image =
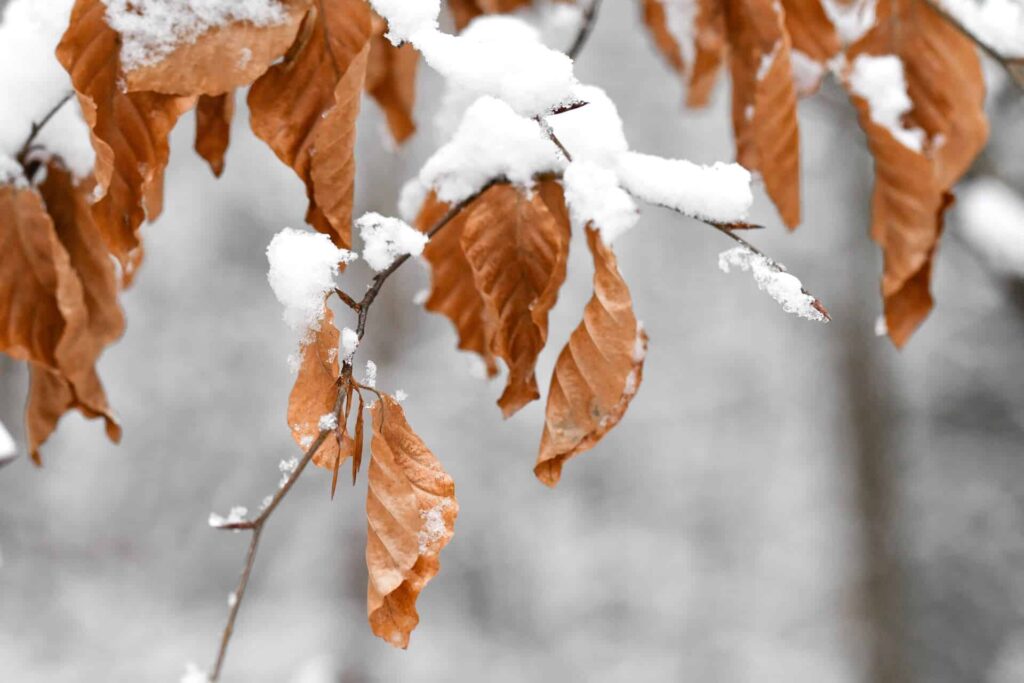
x: 772, y: 279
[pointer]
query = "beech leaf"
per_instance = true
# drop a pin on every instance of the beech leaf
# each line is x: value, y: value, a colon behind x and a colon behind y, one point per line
x: 698, y: 63
x: 213, y: 128
x: 391, y: 80
x: 316, y: 390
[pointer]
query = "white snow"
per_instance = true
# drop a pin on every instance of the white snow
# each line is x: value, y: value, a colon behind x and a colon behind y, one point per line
x: 771, y: 279
x: 594, y: 196
x: 33, y: 82
x: 400, y: 396
x: 992, y: 222
x: 370, y: 376
x: 997, y: 23
x: 881, y: 82
x: 407, y: 17
x: 433, y: 526
x: 235, y: 516
x: 303, y: 266
x: 151, y: 29
x: 385, y: 239
x: 349, y: 343
x: 327, y: 421
x: 8, y: 450
x: 193, y: 674
x: 491, y: 142
x: 851, y: 19
x: 593, y: 132
x: 411, y: 198
x: 719, y: 193
x: 807, y: 72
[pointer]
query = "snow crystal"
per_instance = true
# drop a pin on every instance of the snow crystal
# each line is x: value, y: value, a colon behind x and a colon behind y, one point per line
x: 434, y: 527
x: 406, y: 18
x: 992, y: 221
x: 349, y: 343
x: 151, y: 29
x: 193, y: 674
x: 718, y: 193
x: 594, y: 196
x: 8, y: 450
x: 491, y: 142
x: 303, y: 266
x: 851, y: 19
x: 400, y: 396
x: 327, y: 421
x: 370, y: 376
x: 770, y: 278
x: 235, y: 516
x: 997, y: 23
x: 288, y: 466
x: 881, y: 82
x: 33, y: 82
x: 385, y: 239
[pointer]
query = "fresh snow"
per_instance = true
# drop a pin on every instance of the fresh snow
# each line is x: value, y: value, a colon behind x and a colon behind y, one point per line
x: 385, y: 239
x: 33, y: 82
x: 349, y: 343
x: 594, y: 196
x: 406, y: 18
x: 433, y: 526
x: 303, y: 266
x: 681, y: 22
x: 851, y: 19
x: 992, y: 222
x: 997, y: 23
x: 400, y: 396
x: 807, y: 71
x: 235, y: 516
x: 370, y: 376
x: 8, y: 450
x: 771, y: 279
x: 327, y: 422
x: 151, y: 29
x: 881, y: 82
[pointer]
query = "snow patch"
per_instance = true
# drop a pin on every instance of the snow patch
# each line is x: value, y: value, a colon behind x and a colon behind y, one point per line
x: 771, y: 279
x: 882, y: 83
x: 385, y: 239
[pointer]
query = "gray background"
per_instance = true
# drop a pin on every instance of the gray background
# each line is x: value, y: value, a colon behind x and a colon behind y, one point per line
x: 784, y: 501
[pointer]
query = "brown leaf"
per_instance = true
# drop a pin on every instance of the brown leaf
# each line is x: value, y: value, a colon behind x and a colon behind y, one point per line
x: 700, y: 68
x: 597, y: 373
x: 452, y: 288
x: 305, y: 108
x: 912, y: 188
x: 221, y: 59
x: 316, y: 390
x: 391, y: 81
x: 410, y: 513
x: 764, y: 100
x: 213, y: 128
x: 814, y: 37
x: 129, y: 130
x: 517, y: 248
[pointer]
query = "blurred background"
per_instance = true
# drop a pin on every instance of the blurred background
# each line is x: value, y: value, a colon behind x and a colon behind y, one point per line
x: 784, y: 501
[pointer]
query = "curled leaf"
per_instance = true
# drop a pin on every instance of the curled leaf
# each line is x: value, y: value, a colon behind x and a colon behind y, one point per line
x: 391, y: 80
x: 316, y: 390
x: 696, y: 57
x: 517, y: 248
x: 213, y: 128
x: 410, y: 513
x: 597, y: 373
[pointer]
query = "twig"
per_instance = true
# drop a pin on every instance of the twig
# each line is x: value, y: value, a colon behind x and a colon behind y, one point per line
x: 37, y: 126
x: 1013, y: 65
x: 586, y: 28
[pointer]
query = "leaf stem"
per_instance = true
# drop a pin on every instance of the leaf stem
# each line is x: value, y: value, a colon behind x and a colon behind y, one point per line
x: 37, y: 126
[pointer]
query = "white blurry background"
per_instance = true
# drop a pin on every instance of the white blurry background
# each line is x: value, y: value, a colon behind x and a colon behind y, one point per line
x: 784, y: 501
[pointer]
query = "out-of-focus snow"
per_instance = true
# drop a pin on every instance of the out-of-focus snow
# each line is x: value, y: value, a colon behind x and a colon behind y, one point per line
x: 992, y: 221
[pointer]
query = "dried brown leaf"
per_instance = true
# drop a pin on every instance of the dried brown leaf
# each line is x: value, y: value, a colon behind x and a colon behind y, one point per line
x: 597, y: 373
x: 50, y: 396
x: 305, y: 108
x: 410, y: 513
x: 213, y: 128
x: 814, y: 37
x: 517, y: 248
x: 129, y: 130
x: 391, y: 81
x: 316, y: 390
x: 700, y: 64
x: 221, y: 59
x: 452, y: 288
x: 945, y: 84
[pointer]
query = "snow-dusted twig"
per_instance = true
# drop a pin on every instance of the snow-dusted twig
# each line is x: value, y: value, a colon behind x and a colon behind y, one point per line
x: 1013, y: 65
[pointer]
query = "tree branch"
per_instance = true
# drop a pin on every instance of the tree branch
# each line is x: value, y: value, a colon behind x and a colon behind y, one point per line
x: 27, y: 166
x: 1013, y: 65
x: 586, y: 28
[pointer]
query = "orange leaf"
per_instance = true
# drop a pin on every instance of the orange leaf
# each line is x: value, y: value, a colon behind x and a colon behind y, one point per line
x: 517, y: 248
x: 221, y: 59
x: 213, y: 128
x: 316, y: 390
x: 699, y: 65
x: 945, y: 85
x: 410, y: 514
x: 764, y: 100
x: 391, y: 80
x: 49, y: 397
x: 814, y: 42
x: 129, y: 130
x: 452, y: 288
x: 597, y: 373
x: 305, y: 108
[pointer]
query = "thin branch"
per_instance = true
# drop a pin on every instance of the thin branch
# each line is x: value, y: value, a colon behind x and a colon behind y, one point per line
x: 37, y: 127
x: 586, y: 28
x: 1013, y: 65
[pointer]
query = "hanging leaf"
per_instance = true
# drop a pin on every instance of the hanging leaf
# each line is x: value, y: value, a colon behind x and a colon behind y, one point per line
x: 221, y: 59
x: 213, y: 128
x: 305, y: 108
x: 316, y: 390
x: 129, y: 130
x: 452, y: 288
x: 391, y: 80
x: 597, y: 373
x: 410, y: 512
x: 517, y: 249
x: 919, y: 158
x: 50, y: 396
x: 695, y: 57
x: 814, y: 42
